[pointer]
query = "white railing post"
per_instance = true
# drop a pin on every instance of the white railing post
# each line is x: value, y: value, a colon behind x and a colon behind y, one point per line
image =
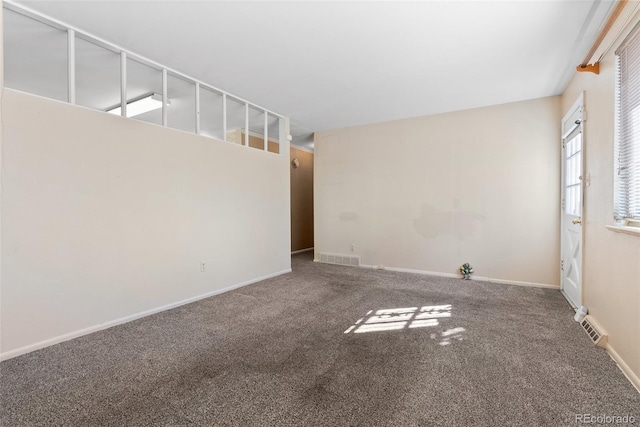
x: 224, y: 116
x: 266, y: 131
x: 165, y: 97
x: 123, y: 84
x: 246, y: 124
x: 197, y: 108
x: 71, y: 65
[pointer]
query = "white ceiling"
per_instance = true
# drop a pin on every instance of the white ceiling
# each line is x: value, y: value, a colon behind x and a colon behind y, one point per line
x: 328, y: 65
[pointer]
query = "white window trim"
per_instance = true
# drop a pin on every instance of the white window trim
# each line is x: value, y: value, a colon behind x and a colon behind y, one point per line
x: 627, y: 227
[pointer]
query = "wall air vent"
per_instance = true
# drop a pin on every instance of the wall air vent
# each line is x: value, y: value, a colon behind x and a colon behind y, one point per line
x: 594, y: 331
x: 351, y: 260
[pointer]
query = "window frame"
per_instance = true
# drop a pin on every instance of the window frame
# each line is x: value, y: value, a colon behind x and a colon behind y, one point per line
x: 626, y: 105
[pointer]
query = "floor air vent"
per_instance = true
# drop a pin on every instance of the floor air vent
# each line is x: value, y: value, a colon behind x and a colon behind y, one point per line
x: 593, y: 331
x: 353, y: 261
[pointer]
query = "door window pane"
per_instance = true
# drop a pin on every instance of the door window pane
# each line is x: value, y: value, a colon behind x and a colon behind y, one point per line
x: 573, y: 175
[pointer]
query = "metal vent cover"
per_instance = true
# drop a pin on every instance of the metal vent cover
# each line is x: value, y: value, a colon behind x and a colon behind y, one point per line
x: 350, y: 260
x: 591, y: 330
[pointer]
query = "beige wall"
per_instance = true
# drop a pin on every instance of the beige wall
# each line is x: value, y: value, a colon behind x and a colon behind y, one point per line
x: 611, y: 263
x: 106, y: 218
x: 301, y: 188
x: 430, y: 193
x: 301, y: 200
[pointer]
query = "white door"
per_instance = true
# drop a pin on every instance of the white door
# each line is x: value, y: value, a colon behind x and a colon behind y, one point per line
x: 572, y: 201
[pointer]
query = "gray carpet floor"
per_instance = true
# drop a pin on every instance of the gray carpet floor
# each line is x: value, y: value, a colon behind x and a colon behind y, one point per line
x: 294, y: 351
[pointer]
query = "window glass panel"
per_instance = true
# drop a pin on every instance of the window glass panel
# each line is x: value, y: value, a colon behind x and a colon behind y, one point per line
x: 144, y: 92
x: 627, y: 134
x: 97, y: 76
x: 573, y: 172
x: 181, y: 113
x: 579, y: 167
x: 235, y: 121
x: 35, y: 57
x: 274, y: 134
x: 256, y: 128
x: 211, y: 114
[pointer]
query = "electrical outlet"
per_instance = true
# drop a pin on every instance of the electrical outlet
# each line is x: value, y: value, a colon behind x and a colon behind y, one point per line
x: 353, y: 247
x: 203, y: 267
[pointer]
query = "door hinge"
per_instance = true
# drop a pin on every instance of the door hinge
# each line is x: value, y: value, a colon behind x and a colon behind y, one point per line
x: 562, y: 265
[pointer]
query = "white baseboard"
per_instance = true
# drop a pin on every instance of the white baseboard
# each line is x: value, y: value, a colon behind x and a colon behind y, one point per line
x: 473, y: 278
x: 66, y: 337
x: 520, y: 283
x: 425, y: 272
x: 626, y: 370
x: 302, y: 250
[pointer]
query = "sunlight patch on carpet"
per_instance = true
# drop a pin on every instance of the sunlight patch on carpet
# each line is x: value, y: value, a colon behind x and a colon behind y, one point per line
x: 394, y: 319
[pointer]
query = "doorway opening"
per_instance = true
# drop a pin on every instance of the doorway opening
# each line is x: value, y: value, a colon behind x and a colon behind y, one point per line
x: 301, y: 167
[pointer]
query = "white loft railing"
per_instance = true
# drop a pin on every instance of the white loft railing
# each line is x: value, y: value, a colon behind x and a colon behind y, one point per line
x: 283, y: 139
